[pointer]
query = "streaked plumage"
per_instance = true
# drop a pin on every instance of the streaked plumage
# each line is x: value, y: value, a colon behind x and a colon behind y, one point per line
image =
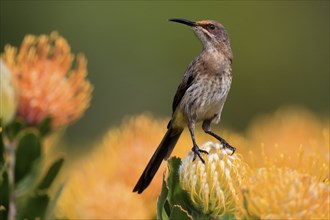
x: 200, y: 96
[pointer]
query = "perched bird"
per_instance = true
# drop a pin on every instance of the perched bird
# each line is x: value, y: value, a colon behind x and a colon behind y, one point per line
x: 200, y: 96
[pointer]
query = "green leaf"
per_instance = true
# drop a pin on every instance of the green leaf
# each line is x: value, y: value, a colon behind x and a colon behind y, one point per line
x: 179, y: 213
x: 51, y: 174
x: 44, y: 126
x: 35, y: 207
x: 14, y: 128
x: 173, y: 181
x: 27, y: 153
x: 162, y: 214
x: 53, y: 202
x: 167, y: 209
x: 26, y: 194
x: 28, y: 183
x: 176, y: 196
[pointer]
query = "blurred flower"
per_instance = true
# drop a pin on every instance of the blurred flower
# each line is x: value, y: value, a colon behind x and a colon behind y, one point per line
x: 290, y: 137
x: 288, y: 127
x: 282, y: 193
x: 135, y: 141
x: 8, y: 97
x: 99, y: 198
x: 117, y: 162
x: 110, y: 173
x: 46, y: 85
x: 213, y: 186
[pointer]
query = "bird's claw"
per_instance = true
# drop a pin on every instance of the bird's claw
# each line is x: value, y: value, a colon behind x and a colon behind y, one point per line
x: 198, y: 152
x: 228, y: 146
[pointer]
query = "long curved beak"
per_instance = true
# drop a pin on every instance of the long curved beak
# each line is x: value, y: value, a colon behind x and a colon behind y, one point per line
x: 183, y: 21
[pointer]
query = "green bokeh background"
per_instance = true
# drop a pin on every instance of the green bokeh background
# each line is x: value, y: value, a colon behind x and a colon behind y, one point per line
x: 136, y: 58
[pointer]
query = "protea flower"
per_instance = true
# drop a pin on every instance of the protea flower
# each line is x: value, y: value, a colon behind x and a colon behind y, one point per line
x: 47, y: 86
x: 283, y: 193
x: 213, y: 186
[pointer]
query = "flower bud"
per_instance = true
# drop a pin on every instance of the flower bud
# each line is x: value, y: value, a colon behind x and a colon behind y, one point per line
x: 8, y: 97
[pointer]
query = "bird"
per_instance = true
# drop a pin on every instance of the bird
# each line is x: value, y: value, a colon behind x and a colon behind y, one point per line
x: 200, y: 96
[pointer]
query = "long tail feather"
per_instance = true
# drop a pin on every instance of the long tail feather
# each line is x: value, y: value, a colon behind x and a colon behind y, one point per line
x: 163, y: 151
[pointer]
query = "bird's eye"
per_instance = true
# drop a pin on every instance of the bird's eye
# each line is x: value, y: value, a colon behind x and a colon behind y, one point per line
x: 212, y: 26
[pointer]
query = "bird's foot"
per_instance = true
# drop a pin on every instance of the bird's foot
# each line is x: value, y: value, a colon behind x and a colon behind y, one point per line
x: 197, y: 152
x: 222, y: 141
x: 228, y: 146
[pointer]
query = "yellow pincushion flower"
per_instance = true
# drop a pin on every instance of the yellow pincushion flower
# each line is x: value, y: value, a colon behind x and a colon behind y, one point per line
x: 213, y: 186
x: 283, y: 134
x: 282, y: 193
x: 105, y: 177
x: 291, y: 137
x: 100, y: 199
x: 102, y: 189
x: 46, y: 84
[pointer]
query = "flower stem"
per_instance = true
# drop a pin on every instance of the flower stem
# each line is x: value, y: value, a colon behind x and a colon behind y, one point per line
x: 10, y: 148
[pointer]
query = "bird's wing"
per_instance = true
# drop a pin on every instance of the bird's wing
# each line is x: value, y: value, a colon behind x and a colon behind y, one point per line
x: 186, y: 82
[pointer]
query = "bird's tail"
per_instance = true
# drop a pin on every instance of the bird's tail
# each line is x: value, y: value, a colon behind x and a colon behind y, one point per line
x: 163, y: 152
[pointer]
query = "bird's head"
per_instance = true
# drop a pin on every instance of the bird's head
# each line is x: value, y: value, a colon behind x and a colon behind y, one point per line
x: 212, y: 34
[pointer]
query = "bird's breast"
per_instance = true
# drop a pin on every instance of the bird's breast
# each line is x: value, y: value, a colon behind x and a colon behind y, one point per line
x: 206, y: 96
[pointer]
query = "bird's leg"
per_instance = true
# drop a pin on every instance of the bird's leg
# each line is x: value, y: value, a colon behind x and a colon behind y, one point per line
x: 207, y: 129
x: 222, y: 141
x: 195, y: 147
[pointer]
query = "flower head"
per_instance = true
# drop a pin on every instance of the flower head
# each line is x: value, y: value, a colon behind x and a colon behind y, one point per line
x: 301, y: 142
x: 91, y: 194
x: 8, y: 97
x: 103, y: 188
x: 213, y: 186
x: 282, y: 193
x: 46, y: 84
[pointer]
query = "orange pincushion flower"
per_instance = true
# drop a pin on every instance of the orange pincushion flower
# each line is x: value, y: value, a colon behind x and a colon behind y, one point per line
x: 47, y: 86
